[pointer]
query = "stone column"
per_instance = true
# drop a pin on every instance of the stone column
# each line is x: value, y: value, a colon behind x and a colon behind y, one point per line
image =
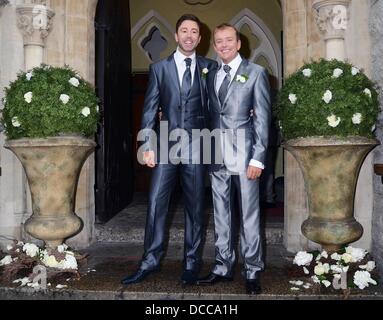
x: 34, y: 19
x: 332, y: 19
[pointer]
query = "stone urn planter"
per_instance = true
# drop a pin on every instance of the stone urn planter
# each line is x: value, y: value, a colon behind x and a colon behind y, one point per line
x: 52, y: 166
x: 330, y: 169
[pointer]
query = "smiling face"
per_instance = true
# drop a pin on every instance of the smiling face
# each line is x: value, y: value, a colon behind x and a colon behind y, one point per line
x: 226, y: 44
x: 188, y: 37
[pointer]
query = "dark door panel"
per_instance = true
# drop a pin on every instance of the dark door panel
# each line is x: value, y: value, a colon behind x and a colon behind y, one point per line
x: 114, y: 165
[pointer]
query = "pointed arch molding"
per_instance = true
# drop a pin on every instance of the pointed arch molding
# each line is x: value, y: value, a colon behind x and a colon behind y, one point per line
x: 268, y: 48
x: 151, y: 14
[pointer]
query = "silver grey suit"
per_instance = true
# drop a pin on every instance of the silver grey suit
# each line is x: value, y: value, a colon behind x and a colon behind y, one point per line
x: 235, y: 114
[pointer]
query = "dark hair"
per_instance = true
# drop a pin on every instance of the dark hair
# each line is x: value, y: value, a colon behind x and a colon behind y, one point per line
x: 185, y: 17
x: 228, y: 25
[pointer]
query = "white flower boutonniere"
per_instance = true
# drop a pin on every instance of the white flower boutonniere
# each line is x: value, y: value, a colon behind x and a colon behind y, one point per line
x: 242, y: 78
x: 205, y: 71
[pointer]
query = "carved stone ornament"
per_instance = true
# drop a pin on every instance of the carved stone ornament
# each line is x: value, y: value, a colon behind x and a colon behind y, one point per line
x: 331, y: 17
x: 35, y: 21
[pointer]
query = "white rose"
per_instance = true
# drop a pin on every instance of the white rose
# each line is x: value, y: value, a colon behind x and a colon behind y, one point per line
x: 324, y: 254
x: 357, y: 254
x: 327, y: 97
x: 31, y: 249
x: 15, y: 122
x: 9, y: 247
x: 6, y: 260
x: 369, y: 266
x: 302, y: 258
x: 354, y: 71
x: 29, y: 76
x: 50, y: 261
x: 367, y: 92
x: 333, y: 121
x: 85, y: 112
x: 205, y: 70
x: 315, y: 279
x: 326, y: 283
x: 241, y: 79
x: 362, y: 279
x: 64, y: 98
x: 319, y: 269
x: 69, y: 262
x: 357, y: 118
x: 337, y: 73
x: 74, y: 82
x: 346, y: 257
x: 336, y: 256
x: 61, y: 249
x: 293, y: 98
x: 28, y: 97
x: 307, y: 72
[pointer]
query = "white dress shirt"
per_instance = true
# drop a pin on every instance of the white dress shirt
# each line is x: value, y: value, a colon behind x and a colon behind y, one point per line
x: 221, y: 74
x: 179, y: 59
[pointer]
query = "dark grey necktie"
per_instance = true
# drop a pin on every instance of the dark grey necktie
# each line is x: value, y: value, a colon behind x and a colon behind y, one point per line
x: 225, y: 84
x: 186, y: 80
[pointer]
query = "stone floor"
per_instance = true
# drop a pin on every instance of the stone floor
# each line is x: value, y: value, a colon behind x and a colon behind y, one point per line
x: 119, y: 249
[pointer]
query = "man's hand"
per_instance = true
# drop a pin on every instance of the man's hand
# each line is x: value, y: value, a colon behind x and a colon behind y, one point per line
x: 148, y: 157
x: 253, y: 172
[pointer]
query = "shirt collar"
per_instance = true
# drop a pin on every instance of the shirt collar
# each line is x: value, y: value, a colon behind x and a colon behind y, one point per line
x: 234, y: 64
x: 179, y: 57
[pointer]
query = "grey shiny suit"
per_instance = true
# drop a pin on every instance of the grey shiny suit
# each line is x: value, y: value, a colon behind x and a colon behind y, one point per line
x: 191, y: 113
x: 235, y: 114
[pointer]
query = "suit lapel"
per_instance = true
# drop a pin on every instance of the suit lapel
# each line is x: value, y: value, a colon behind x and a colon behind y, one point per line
x: 234, y: 83
x: 171, y: 66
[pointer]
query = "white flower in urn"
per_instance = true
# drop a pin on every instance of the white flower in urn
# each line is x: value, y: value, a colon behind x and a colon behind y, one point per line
x: 333, y: 121
x: 69, y: 262
x: 354, y: 71
x: 29, y: 76
x: 15, y: 122
x: 307, y: 72
x: 293, y: 98
x: 85, y: 112
x: 28, y: 97
x: 74, y: 82
x: 357, y: 118
x: 303, y: 258
x: 337, y: 73
x: 327, y: 97
x: 367, y: 92
x: 64, y: 98
x: 62, y: 248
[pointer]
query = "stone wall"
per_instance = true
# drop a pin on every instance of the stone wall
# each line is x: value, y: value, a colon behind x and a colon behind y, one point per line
x: 376, y: 31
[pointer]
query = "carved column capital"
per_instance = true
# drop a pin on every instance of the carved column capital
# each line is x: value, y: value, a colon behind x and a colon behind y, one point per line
x: 3, y: 3
x: 34, y: 19
x: 332, y: 17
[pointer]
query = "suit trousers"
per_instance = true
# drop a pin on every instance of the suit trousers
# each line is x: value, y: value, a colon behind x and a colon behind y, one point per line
x: 164, y: 179
x: 224, y: 183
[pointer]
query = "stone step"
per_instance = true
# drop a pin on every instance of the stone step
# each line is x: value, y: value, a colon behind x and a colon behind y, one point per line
x: 129, y: 225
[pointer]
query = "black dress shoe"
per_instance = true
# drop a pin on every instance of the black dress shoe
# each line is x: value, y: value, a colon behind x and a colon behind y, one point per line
x: 137, y: 277
x: 212, y: 278
x: 188, y: 277
x: 253, y: 286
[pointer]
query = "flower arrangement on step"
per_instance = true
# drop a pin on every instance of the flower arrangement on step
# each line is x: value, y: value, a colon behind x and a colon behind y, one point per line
x: 327, y: 98
x: 347, y: 269
x: 18, y: 264
x: 49, y: 101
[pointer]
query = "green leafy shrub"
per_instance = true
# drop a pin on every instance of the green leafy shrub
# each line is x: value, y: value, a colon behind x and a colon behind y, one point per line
x: 327, y: 98
x: 49, y: 101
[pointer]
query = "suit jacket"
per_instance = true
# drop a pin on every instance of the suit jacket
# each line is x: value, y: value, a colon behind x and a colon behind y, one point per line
x: 164, y: 92
x: 235, y: 113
